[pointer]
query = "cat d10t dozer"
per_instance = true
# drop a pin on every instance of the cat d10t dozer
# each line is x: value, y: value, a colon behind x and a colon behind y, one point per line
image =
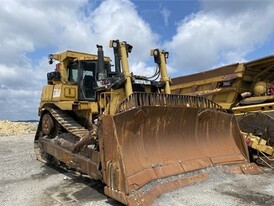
x: 128, y: 131
x: 246, y: 89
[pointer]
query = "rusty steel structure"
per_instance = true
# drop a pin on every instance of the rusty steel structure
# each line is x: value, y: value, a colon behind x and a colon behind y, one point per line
x: 129, y: 131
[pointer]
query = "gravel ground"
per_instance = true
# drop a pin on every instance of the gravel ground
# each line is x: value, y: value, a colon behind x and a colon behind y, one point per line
x: 226, y: 190
x: 25, y: 181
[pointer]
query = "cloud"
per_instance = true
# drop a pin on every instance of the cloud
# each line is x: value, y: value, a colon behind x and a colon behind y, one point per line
x: 138, y: 68
x: 166, y: 13
x: 19, y: 104
x: 219, y: 34
x: 20, y: 90
x: 29, y: 28
x: 119, y: 20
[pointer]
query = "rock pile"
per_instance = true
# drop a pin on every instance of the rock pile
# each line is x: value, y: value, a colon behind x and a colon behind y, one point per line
x: 12, y: 128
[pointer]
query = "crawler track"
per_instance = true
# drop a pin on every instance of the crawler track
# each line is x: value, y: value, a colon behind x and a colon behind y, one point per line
x: 68, y: 123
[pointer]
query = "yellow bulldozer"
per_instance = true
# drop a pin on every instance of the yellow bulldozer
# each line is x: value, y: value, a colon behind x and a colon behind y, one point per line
x: 245, y: 89
x: 129, y: 131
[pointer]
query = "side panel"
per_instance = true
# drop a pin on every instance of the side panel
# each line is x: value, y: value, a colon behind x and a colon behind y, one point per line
x: 63, y: 92
x: 59, y: 92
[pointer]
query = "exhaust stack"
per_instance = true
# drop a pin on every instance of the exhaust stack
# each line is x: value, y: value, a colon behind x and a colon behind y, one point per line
x: 101, y: 68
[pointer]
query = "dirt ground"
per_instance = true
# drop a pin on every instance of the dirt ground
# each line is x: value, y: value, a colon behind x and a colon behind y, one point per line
x: 9, y: 127
x: 25, y: 181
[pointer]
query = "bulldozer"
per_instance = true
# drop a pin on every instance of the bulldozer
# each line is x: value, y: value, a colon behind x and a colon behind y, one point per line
x: 128, y: 130
x: 245, y: 89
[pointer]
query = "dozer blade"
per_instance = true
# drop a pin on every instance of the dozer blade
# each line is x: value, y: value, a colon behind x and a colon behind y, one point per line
x: 151, y: 150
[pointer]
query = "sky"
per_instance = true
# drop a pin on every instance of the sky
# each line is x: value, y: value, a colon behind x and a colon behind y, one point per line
x: 198, y: 34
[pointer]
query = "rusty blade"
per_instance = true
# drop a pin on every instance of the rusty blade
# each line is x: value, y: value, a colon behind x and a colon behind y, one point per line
x: 149, y: 143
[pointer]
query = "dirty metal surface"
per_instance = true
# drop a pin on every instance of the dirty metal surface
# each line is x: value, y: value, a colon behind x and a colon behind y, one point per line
x: 140, y: 99
x: 86, y: 165
x: 148, y: 143
x: 63, y: 150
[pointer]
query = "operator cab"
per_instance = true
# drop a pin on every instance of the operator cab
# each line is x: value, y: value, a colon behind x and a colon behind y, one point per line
x: 84, y: 73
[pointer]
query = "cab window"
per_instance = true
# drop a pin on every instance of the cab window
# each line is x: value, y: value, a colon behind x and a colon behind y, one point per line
x: 72, y: 73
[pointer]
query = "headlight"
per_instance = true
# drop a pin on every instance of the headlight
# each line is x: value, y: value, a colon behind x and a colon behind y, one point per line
x: 51, y: 56
x: 166, y: 54
x: 155, y: 52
